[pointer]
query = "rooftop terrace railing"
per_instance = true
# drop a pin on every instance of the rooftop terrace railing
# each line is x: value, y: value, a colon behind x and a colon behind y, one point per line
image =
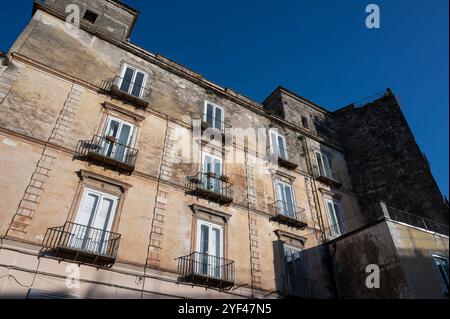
x: 383, y: 211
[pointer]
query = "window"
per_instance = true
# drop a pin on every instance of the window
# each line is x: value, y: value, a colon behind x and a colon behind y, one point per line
x: 132, y: 81
x: 295, y: 270
x: 278, y: 145
x: 305, y: 122
x: 117, y: 139
x: 324, y: 164
x: 90, y: 16
x: 212, y: 169
x: 335, y: 217
x: 214, y: 116
x: 442, y: 267
x: 93, y: 221
x: 285, y: 203
x: 210, y: 249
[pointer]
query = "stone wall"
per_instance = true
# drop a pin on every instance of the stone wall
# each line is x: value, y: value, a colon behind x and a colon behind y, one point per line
x: 385, y: 162
x: 114, y: 19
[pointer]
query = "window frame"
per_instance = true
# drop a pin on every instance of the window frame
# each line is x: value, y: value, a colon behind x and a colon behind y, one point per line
x: 294, y: 203
x: 305, y: 122
x: 212, y: 184
x: 215, y: 106
x: 110, y: 118
x: 322, y: 169
x: 210, y: 225
x: 222, y: 167
x: 341, y: 227
x: 436, y: 266
x: 136, y: 70
x: 103, y: 184
x: 272, y: 147
x: 101, y: 195
x: 89, y: 12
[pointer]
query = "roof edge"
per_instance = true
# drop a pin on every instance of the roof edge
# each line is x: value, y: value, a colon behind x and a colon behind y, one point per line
x: 282, y: 90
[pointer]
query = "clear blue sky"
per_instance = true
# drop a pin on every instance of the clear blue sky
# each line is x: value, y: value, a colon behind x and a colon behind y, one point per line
x: 319, y: 49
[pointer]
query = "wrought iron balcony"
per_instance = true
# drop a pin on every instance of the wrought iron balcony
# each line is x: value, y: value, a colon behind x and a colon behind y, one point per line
x: 83, y: 243
x: 285, y: 158
x: 291, y: 215
x: 211, y: 187
x: 106, y: 151
x: 204, y: 269
x: 325, y: 178
x: 213, y: 125
x: 128, y: 90
x: 208, y: 121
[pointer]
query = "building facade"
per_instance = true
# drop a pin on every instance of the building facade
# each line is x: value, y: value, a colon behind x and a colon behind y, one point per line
x: 127, y: 175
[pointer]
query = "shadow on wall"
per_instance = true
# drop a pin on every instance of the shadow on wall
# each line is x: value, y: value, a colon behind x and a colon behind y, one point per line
x: 403, y: 257
x: 302, y: 273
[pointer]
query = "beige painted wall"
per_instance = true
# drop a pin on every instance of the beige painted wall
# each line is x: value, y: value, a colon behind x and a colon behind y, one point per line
x: 28, y: 116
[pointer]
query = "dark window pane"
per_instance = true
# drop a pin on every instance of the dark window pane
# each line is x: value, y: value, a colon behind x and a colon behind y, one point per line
x: 218, y: 122
x: 209, y: 115
x: 138, y: 83
x: 90, y: 16
x: 126, y: 81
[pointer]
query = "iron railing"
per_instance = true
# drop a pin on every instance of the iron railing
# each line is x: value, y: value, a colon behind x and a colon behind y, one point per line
x: 417, y: 221
x: 284, y: 158
x: 206, y: 121
x: 108, y: 151
x: 206, y: 269
x: 83, y: 240
x: 129, y: 90
x: 383, y: 211
x: 288, y: 213
x: 324, y: 177
x: 210, y: 186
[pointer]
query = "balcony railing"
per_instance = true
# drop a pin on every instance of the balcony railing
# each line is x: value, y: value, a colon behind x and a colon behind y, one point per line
x: 207, y: 121
x: 416, y: 220
x: 288, y: 214
x: 83, y: 243
x: 128, y: 90
x: 381, y: 211
x: 326, y: 178
x: 285, y: 158
x: 204, y: 269
x: 211, y: 187
x: 106, y: 151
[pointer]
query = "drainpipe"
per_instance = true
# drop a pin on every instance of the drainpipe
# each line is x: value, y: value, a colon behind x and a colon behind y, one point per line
x: 158, y: 186
x: 249, y: 225
x: 329, y: 257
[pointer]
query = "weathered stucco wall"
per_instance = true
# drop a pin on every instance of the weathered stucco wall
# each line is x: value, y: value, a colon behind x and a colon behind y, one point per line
x: 353, y: 253
x: 403, y: 254
x: 58, y: 199
x: 19, y: 159
x: 415, y: 248
x: 64, y: 66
